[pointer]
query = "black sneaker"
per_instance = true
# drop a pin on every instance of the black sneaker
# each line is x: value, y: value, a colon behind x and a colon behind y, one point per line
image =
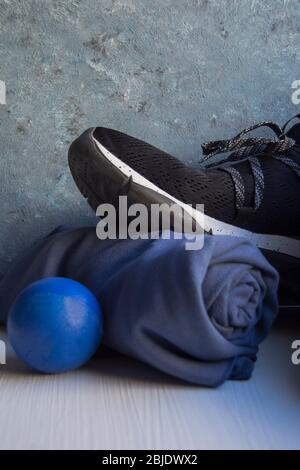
x: 254, y: 194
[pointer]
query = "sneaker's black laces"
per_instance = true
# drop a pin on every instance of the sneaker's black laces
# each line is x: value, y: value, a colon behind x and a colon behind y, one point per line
x: 250, y: 149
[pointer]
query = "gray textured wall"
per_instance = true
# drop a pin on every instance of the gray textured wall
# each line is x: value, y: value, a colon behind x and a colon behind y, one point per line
x: 173, y: 72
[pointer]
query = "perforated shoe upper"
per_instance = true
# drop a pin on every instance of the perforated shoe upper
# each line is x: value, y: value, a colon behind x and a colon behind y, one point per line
x: 278, y: 213
x: 170, y: 174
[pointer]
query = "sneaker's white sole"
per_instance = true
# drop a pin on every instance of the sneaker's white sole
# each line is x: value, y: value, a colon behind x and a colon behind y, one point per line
x: 276, y: 243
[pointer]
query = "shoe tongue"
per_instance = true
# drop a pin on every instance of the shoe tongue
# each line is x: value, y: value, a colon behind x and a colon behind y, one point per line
x: 294, y: 133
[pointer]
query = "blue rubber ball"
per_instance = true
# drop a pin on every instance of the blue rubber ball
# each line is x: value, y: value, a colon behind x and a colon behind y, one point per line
x: 55, y: 325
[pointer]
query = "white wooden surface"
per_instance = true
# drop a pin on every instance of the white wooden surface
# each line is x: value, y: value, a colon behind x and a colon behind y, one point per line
x: 115, y: 403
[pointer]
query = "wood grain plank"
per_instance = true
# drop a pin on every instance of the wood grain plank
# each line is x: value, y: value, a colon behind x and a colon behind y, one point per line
x: 117, y: 403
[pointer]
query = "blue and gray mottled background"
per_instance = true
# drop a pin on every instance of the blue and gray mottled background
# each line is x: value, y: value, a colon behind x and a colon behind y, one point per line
x: 172, y: 72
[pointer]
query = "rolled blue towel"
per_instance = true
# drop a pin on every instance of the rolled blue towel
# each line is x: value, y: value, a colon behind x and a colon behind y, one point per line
x: 198, y: 315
